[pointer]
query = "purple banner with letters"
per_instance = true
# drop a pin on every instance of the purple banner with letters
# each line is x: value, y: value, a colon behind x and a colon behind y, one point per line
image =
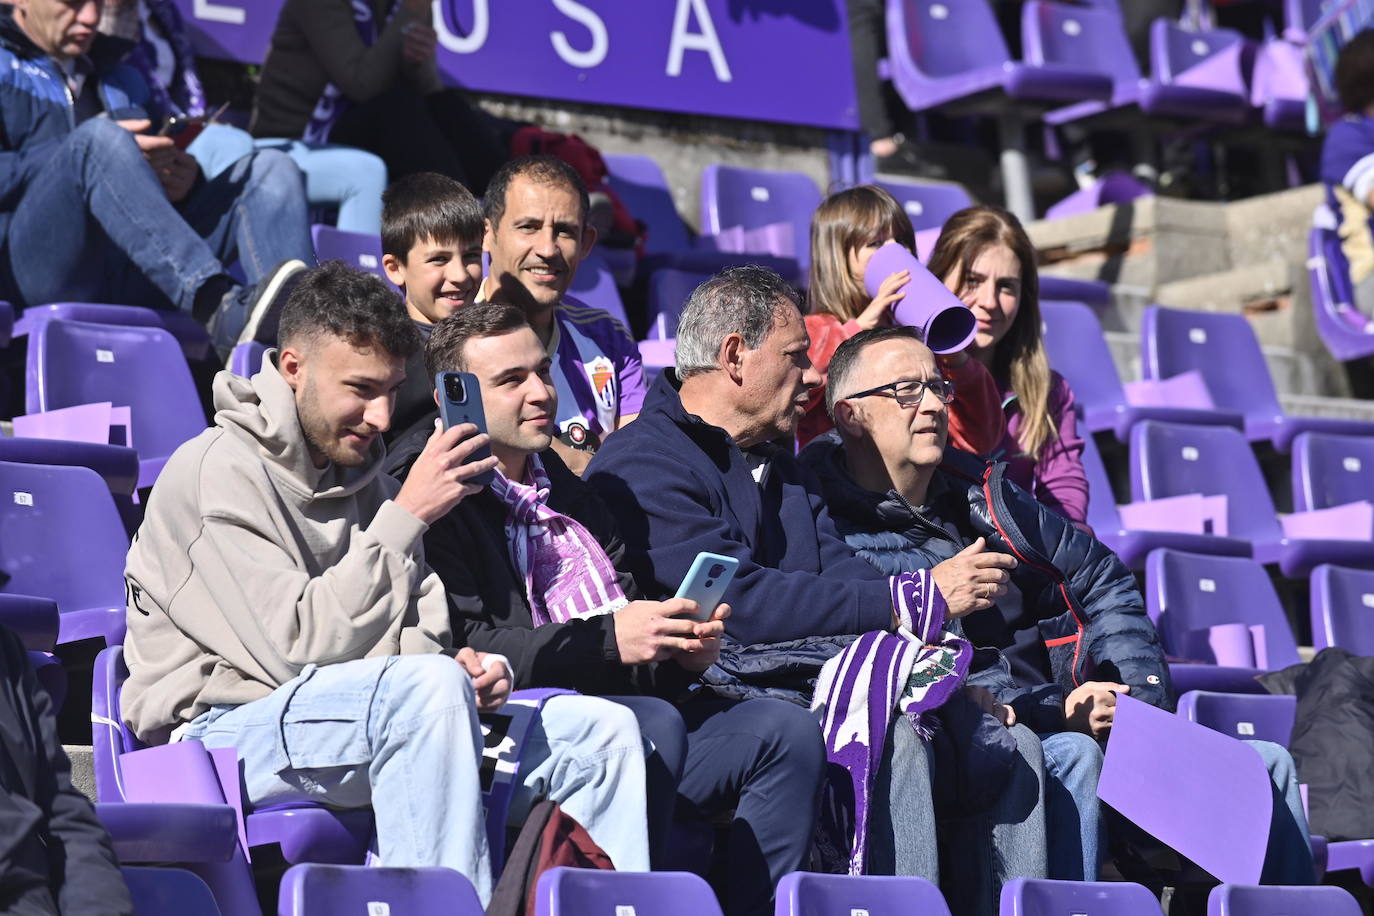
x: 768, y: 60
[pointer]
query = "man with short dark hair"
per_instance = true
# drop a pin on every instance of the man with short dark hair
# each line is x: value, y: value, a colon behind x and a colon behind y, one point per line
x: 537, y: 234
x: 578, y: 623
x: 279, y: 602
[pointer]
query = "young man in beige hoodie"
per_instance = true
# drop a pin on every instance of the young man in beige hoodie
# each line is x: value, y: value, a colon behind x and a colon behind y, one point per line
x: 279, y: 603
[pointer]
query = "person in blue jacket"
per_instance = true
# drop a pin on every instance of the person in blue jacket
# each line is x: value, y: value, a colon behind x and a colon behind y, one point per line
x: 94, y: 207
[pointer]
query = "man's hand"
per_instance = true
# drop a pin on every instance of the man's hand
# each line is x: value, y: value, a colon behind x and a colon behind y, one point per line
x: 418, y: 41
x: 974, y: 578
x: 148, y: 144
x: 1091, y: 707
x: 438, y: 480
x: 650, y: 631
x: 988, y: 703
x: 491, y: 679
x: 179, y: 175
x: 706, y: 652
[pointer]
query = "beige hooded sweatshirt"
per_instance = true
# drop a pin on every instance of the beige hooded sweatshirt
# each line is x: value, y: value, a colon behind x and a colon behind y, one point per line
x: 252, y: 563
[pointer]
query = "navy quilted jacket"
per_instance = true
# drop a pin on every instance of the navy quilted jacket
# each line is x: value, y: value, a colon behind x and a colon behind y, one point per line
x: 1074, y: 614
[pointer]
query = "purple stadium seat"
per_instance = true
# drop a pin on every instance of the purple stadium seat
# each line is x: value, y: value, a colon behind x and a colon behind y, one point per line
x: 756, y: 211
x: 1342, y: 609
x: 1345, y: 330
x: 1225, y: 350
x: 1068, y: 289
x: 142, y: 368
x: 1133, y: 545
x: 1258, y: 900
x: 594, y: 285
x: 593, y: 892
x: 1111, y: 188
x: 668, y: 292
x: 1221, y: 610
x: 810, y: 894
x: 356, y: 249
x: 1247, y: 716
x: 1043, y: 897
x: 1278, y: 86
x: 246, y: 359
x: 156, y: 891
x: 326, y: 890
x: 61, y: 538
x: 657, y: 355
x: 1330, y: 470
x: 116, y: 465
x: 928, y: 203
x: 34, y: 620
x: 191, y: 334
x: 1079, y: 352
x: 167, y: 833
x: 644, y: 191
x: 1298, y: 18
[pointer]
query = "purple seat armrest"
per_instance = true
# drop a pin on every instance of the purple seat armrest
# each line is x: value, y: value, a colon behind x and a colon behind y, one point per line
x: 170, y: 832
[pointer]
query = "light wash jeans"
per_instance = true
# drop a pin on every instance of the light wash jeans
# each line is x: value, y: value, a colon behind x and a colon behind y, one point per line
x: 338, y: 176
x: 401, y: 734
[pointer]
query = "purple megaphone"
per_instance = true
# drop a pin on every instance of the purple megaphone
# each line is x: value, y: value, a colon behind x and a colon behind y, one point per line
x: 944, y: 323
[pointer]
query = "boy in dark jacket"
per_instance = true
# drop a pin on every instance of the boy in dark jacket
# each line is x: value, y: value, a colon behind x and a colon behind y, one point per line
x: 1071, y: 623
x: 534, y: 568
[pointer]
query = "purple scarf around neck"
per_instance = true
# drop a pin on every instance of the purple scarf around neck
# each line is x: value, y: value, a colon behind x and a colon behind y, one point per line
x: 567, y: 574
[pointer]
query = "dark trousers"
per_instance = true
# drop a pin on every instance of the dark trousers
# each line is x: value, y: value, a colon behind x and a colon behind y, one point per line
x: 762, y: 758
x: 868, y: 45
x: 439, y: 132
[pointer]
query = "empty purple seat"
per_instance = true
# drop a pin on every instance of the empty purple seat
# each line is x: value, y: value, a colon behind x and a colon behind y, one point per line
x: 1079, y: 352
x: 191, y: 334
x: 142, y: 368
x: 170, y: 833
x: 1278, y: 86
x: 325, y: 890
x: 356, y: 249
x: 644, y: 190
x: 1168, y: 459
x: 594, y: 285
x: 246, y: 359
x: 928, y: 203
x: 1247, y: 716
x: 1225, y: 350
x: 1043, y: 897
x: 593, y: 892
x: 668, y: 292
x: 759, y: 211
x: 1345, y: 330
x: 156, y: 891
x: 34, y: 620
x: 116, y: 465
x: 810, y: 894
x: 61, y: 538
x: 1330, y: 470
x: 1132, y: 545
x: 1267, y: 900
x: 1069, y: 289
x: 1111, y: 188
x: 1342, y: 608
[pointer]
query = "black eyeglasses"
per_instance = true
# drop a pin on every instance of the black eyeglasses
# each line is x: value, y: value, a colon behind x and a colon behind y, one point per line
x: 909, y: 393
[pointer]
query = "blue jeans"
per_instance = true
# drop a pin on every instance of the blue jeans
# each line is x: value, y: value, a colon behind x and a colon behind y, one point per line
x: 338, y: 176
x: 95, y: 225
x: 1073, y: 817
x: 1288, y: 859
x: 400, y: 734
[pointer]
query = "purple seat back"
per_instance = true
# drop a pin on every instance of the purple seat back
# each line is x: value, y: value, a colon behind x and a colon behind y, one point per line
x: 1186, y: 594
x: 1173, y: 459
x: 810, y: 894
x: 1078, y: 351
x: 1247, y: 716
x: 34, y: 620
x: 1342, y: 608
x: 325, y: 890
x: 116, y: 465
x: 61, y: 538
x: 1347, y: 333
x: 668, y: 292
x: 1044, y: 897
x: 356, y: 249
x: 948, y: 37
x: 1207, y: 59
x: 246, y: 359
x: 1298, y: 18
x: 1267, y: 900
x: 169, y: 890
x: 594, y: 285
x: 1103, y: 516
x: 593, y: 892
x: 142, y: 368
x: 928, y: 203
x: 1084, y: 36
x: 739, y: 198
x: 1223, y: 348
x: 190, y: 333
x: 1330, y: 470
x: 109, y: 736
x: 644, y: 190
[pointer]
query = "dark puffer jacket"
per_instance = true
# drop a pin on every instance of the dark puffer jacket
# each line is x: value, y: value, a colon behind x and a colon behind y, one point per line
x: 1074, y: 613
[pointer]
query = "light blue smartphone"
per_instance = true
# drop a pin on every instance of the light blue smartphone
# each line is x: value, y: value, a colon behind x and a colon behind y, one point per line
x: 706, y: 581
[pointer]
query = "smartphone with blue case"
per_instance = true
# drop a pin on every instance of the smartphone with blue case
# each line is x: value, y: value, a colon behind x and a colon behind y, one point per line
x: 460, y: 401
x: 706, y: 581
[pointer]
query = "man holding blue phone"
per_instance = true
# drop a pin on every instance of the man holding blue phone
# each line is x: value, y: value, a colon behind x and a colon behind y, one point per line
x: 535, y: 571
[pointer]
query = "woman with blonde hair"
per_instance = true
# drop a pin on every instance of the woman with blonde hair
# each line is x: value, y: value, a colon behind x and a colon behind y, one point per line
x: 985, y: 258
x: 848, y: 227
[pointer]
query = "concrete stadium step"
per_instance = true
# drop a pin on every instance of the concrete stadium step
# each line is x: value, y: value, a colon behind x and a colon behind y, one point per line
x: 82, y: 757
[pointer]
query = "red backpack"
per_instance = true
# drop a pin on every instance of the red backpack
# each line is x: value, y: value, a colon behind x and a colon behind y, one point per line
x: 550, y: 838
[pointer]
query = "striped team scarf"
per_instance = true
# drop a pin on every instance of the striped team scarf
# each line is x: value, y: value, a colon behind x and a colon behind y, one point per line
x: 913, y: 672
x: 332, y: 102
x: 567, y: 574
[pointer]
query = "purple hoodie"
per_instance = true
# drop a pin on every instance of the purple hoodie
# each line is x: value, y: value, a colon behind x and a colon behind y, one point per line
x: 1057, y: 479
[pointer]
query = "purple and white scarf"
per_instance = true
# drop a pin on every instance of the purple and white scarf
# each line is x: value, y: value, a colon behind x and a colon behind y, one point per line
x: 333, y: 103
x: 567, y: 574
x: 913, y: 671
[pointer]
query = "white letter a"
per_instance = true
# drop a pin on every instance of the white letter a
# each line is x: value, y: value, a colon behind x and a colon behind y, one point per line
x: 705, y: 40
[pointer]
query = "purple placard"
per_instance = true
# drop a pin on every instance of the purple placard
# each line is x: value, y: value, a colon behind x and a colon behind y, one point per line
x: 767, y: 60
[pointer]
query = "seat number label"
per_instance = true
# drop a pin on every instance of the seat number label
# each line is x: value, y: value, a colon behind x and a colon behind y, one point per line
x: 23, y: 499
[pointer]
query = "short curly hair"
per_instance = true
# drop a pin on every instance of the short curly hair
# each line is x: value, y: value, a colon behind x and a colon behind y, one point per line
x: 340, y: 301
x: 1355, y: 73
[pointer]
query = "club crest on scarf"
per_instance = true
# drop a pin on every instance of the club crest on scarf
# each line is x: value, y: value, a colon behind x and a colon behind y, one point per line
x: 601, y: 372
